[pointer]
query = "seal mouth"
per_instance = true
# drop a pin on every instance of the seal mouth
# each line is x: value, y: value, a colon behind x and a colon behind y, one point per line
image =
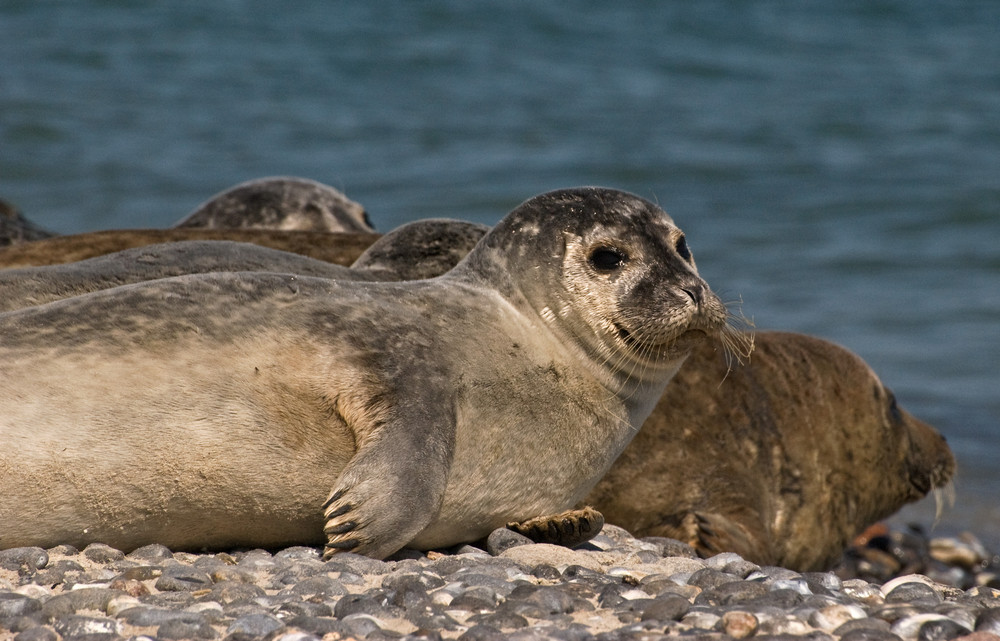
x: 664, y: 344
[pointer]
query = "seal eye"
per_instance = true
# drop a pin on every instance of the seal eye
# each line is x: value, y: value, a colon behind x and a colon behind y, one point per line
x: 607, y: 259
x: 682, y: 248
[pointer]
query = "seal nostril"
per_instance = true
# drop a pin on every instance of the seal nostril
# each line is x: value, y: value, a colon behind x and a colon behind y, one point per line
x: 696, y: 293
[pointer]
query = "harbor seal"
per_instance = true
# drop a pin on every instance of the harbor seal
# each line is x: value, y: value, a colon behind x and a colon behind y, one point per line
x: 421, y: 249
x: 217, y: 410
x: 783, y: 459
x: 341, y: 248
x: 16, y: 229
x: 280, y: 202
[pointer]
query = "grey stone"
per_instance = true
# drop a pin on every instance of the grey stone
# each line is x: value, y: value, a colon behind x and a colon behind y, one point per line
x: 141, y: 573
x: 706, y: 578
x: 731, y: 593
x: 304, y: 608
x: 181, y: 578
x: 670, y: 608
x: 546, y: 572
x: 419, y: 580
x: 153, y: 553
x: 101, y: 553
x: 37, y: 633
x: 232, y: 591
x: 861, y: 624
x: 361, y: 625
x: 475, y: 598
x: 318, y: 625
x: 27, y: 558
x: 76, y: 625
x: 143, y: 616
x: 16, y: 605
x: 671, y: 547
x: 941, y: 630
x: 914, y: 593
x: 184, y: 629
x: 299, y: 553
x: 501, y: 539
x: 374, y: 603
x: 83, y: 599
x: 253, y: 626
x: 322, y: 587
x: 482, y: 632
x: 989, y: 621
x: 357, y: 564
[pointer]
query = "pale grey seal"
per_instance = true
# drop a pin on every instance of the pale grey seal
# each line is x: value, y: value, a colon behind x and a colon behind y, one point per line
x: 280, y: 202
x: 217, y: 410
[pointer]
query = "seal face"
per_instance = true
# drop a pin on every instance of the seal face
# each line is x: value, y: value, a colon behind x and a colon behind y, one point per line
x: 282, y: 202
x: 783, y: 459
x: 225, y: 406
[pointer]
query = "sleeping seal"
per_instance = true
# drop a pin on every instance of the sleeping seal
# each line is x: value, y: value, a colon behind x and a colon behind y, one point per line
x: 218, y: 410
x: 783, y: 459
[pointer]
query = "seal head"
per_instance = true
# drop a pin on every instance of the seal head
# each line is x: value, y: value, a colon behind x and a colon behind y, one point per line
x: 282, y: 202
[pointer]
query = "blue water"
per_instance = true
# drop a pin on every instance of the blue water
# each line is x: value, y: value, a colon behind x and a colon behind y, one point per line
x: 835, y: 165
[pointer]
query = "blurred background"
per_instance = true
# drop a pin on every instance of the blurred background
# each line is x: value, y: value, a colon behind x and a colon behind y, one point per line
x: 835, y: 165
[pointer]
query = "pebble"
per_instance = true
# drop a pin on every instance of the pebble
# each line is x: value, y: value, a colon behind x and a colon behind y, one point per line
x: 900, y: 588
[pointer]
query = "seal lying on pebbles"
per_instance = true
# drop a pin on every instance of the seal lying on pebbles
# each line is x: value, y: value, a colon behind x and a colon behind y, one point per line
x: 753, y: 399
x: 782, y: 460
x: 218, y: 410
x: 421, y: 249
x: 282, y: 202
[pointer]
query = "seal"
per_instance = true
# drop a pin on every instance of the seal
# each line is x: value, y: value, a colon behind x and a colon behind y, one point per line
x: 335, y: 247
x: 217, y: 410
x: 16, y: 229
x: 421, y: 249
x: 783, y: 459
x: 280, y: 202
x: 757, y: 400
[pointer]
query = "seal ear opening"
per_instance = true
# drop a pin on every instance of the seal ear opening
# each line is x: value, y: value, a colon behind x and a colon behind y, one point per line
x: 681, y: 246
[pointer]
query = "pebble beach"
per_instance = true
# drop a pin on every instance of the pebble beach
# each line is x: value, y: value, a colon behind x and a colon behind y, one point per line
x: 892, y: 585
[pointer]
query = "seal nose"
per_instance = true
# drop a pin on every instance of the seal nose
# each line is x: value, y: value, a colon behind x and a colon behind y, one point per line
x: 696, y: 292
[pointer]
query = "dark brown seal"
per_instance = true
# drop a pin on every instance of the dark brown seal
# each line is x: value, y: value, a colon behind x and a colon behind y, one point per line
x: 783, y: 459
x: 334, y: 247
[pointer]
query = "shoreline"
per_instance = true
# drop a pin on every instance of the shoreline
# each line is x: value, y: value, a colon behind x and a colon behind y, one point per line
x: 613, y: 587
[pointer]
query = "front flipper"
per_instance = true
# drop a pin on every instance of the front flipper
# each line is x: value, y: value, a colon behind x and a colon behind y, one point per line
x: 392, y: 488
x: 569, y: 528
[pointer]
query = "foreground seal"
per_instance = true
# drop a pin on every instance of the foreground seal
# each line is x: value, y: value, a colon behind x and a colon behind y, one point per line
x: 421, y: 249
x: 280, y: 202
x: 218, y: 410
x: 783, y: 459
